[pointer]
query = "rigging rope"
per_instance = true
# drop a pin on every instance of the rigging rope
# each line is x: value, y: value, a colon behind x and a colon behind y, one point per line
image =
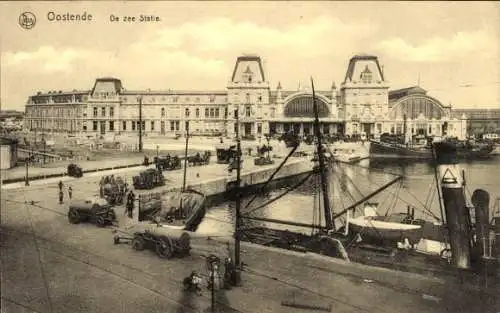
x: 394, y: 199
x: 344, y: 185
x: 272, y: 176
x: 353, y: 184
x: 281, y: 195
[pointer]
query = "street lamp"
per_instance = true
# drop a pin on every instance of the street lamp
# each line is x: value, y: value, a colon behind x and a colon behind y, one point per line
x: 140, y: 122
x: 27, y: 182
x: 44, y: 147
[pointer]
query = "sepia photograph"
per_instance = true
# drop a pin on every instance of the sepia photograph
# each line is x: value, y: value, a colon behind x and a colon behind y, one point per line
x: 250, y: 156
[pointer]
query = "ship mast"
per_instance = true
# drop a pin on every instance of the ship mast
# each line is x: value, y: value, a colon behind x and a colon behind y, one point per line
x: 237, y: 194
x: 322, y: 167
x: 405, y: 130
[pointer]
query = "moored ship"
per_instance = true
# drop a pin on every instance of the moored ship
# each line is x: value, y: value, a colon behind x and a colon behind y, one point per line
x: 420, y: 147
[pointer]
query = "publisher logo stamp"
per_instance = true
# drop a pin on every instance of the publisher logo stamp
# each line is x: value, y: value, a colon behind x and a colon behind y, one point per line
x: 27, y: 20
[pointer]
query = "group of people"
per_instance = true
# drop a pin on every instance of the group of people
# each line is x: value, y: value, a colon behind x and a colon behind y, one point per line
x: 61, y: 192
x: 194, y: 281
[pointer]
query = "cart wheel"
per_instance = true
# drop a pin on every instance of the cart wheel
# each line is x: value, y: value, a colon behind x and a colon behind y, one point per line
x: 138, y: 243
x: 164, y: 249
x: 445, y: 254
x: 112, y: 215
x: 184, y: 243
x: 73, y: 216
x: 116, y: 240
x: 100, y: 221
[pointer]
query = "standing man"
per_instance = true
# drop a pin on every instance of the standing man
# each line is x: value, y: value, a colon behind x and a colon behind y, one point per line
x: 130, y: 206
x: 70, y: 192
x: 60, y: 185
x: 61, y: 196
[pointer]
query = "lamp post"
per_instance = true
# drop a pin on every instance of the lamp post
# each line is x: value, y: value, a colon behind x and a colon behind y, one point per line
x: 26, y: 161
x: 185, y: 157
x: 44, y: 147
x: 238, y: 201
x: 140, y: 122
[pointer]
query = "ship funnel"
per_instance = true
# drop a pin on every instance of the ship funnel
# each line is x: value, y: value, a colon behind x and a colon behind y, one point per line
x: 481, y: 201
x: 457, y: 214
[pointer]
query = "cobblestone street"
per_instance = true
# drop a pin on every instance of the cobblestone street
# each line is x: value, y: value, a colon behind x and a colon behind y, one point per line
x: 50, y: 265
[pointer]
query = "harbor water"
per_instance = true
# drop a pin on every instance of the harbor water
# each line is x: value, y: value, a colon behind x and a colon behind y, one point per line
x: 350, y: 183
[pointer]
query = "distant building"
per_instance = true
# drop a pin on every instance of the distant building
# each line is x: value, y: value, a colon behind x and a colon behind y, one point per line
x: 11, y: 120
x: 8, y: 153
x: 363, y: 104
x: 481, y: 121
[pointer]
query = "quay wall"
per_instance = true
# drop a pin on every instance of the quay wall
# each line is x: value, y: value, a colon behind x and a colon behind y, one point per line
x: 216, y: 189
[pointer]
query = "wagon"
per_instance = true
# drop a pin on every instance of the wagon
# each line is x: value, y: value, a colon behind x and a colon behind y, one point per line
x: 263, y: 160
x: 94, y: 210
x: 74, y: 170
x: 166, y: 242
x: 148, y: 179
x: 168, y: 163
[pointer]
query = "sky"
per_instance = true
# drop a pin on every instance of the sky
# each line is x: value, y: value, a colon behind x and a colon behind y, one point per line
x: 451, y: 48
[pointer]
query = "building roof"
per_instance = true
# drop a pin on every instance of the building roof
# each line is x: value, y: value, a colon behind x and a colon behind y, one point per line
x: 273, y: 97
x: 62, y: 93
x: 10, y: 113
x: 8, y: 141
x: 174, y: 92
x: 361, y: 57
x: 397, y: 94
x: 490, y: 114
x: 254, y: 58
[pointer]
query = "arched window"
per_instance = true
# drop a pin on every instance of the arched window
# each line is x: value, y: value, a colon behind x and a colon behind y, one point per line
x: 303, y: 106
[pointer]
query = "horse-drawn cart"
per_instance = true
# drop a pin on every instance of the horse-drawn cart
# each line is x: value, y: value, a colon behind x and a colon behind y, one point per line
x: 199, y: 159
x: 94, y: 210
x: 112, y: 189
x: 168, y: 163
x: 149, y: 179
x: 75, y: 170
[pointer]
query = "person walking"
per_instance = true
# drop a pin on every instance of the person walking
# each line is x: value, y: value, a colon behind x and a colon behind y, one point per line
x: 60, y: 185
x: 61, y: 196
x: 70, y: 192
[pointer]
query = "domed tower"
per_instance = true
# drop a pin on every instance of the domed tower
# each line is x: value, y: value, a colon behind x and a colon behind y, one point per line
x: 334, y: 107
x: 248, y: 92
x: 364, y: 96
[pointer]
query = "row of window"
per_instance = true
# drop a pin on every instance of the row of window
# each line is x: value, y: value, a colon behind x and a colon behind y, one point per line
x: 103, y: 111
x: 175, y: 99
x: 54, y: 112
x: 209, y: 112
x: 134, y: 125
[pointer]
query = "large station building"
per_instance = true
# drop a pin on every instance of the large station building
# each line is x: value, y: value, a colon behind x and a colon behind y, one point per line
x: 362, y: 104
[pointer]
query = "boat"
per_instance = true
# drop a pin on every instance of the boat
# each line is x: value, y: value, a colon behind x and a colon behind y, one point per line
x: 174, y: 209
x: 465, y: 150
x: 182, y: 208
x: 420, y: 147
x: 347, y: 155
x: 398, y: 227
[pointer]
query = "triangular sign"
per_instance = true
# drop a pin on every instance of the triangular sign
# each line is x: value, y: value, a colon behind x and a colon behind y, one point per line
x: 449, y: 178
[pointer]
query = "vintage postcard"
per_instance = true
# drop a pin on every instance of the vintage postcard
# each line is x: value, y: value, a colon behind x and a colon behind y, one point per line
x: 253, y: 156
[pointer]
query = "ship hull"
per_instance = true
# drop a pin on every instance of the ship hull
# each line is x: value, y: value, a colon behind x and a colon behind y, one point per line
x: 382, y: 149
x: 385, y: 232
x: 378, y: 148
